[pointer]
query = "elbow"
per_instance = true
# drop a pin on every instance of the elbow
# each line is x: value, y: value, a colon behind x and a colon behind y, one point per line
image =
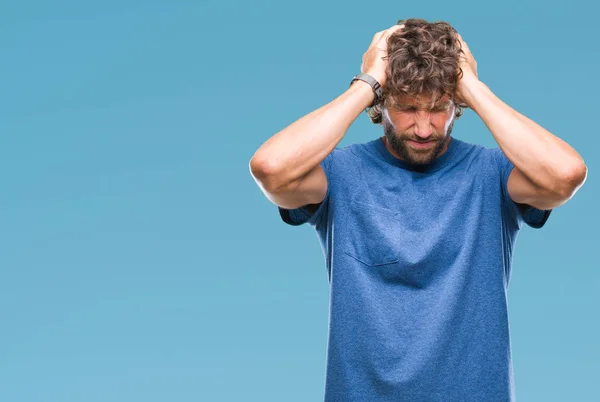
x: 265, y: 174
x: 572, y: 179
x: 257, y: 167
x: 259, y: 170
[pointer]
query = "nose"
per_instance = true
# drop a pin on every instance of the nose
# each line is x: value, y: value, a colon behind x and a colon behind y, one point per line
x: 423, y: 127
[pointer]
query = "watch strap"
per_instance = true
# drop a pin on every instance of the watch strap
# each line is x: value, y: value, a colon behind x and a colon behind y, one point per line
x: 377, y: 90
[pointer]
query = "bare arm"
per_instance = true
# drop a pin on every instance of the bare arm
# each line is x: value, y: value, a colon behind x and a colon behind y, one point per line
x: 548, y: 171
x: 293, y: 152
x: 287, y: 166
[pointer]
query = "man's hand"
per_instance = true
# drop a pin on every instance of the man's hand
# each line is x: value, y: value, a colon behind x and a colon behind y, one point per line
x: 374, y: 61
x: 468, y: 65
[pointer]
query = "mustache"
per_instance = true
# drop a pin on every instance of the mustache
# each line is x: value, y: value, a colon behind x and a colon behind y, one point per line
x: 389, y: 131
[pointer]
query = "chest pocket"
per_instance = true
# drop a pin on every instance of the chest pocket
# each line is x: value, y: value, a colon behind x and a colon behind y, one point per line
x: 372, y: 234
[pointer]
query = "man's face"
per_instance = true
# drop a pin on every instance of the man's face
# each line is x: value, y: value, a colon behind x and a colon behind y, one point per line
x: 417, y: 130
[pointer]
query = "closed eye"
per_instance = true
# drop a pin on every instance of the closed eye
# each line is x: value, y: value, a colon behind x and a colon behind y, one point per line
x: 414, y: 109
x: 437, y: 109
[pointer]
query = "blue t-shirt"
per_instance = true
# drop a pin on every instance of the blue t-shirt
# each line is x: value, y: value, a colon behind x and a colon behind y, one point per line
x: 418, y: 262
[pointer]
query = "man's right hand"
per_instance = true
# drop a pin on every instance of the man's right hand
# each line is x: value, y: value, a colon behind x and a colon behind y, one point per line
x: 374, y: 61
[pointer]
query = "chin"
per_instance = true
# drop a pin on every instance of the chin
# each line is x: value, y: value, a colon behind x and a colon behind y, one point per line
x: 421, y: 161
x: 422, y: 157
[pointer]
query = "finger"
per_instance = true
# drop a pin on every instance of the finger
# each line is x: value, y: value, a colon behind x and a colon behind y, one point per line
x: 376, y: 37
x: 382, y: 42
x: 393, y: 29
x: 462, y: 41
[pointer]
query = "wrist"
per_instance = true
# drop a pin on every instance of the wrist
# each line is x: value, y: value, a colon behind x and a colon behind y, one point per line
x: 468, y: 88
x: 377, y: 77
x: 373, y: 83
x: 364, y: 91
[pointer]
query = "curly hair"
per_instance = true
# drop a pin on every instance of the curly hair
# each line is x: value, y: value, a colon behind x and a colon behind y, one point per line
x: 423, y: 59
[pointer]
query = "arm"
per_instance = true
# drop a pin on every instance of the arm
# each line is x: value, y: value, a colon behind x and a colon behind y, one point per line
x: 547, y: 170
x: 283, y: 161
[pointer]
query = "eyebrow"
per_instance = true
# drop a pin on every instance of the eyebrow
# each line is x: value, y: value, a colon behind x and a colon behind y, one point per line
x: 435, y: 106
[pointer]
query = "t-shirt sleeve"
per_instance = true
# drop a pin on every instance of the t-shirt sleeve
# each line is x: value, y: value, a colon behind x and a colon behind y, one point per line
x: 518, y: 213
x: 300, y: 215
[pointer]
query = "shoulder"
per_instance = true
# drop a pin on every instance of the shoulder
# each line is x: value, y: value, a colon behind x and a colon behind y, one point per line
x: 473, y: 150
x: 346, y: 156
x: 481, y: 154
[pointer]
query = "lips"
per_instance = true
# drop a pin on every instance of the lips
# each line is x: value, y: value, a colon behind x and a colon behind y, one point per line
x: 417, y: 144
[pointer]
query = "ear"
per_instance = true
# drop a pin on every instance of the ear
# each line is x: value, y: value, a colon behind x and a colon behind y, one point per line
x: 458, y: 111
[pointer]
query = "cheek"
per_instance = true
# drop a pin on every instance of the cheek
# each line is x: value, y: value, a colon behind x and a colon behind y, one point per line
x: 447, y: 123
x: 442, y: 120
x: 403, y: 122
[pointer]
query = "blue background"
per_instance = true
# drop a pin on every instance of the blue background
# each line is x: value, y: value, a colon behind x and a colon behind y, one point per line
x: 140, y: 261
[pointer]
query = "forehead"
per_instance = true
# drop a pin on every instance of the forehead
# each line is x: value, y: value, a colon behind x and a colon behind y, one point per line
x: 422, y: 100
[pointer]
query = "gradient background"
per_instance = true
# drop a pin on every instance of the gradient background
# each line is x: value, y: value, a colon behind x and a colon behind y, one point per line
x: 139, y: 260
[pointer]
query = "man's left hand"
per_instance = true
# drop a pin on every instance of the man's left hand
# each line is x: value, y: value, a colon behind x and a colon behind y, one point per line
x: 468, y: 65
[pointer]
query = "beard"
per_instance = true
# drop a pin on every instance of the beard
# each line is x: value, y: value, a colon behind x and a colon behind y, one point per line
x: 411, y: 155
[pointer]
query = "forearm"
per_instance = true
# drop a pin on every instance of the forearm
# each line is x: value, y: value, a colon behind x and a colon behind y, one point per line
x: 546, y: 160
x: 297, y: 149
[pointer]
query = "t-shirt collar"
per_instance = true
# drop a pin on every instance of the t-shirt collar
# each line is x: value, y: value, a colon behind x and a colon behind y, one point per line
x: 437, y: 163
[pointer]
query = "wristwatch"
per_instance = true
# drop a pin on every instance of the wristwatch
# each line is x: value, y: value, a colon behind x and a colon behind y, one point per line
x: 377, y: 90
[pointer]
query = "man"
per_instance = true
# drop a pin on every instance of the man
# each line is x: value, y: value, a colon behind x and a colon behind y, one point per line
x: 418, y: 228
